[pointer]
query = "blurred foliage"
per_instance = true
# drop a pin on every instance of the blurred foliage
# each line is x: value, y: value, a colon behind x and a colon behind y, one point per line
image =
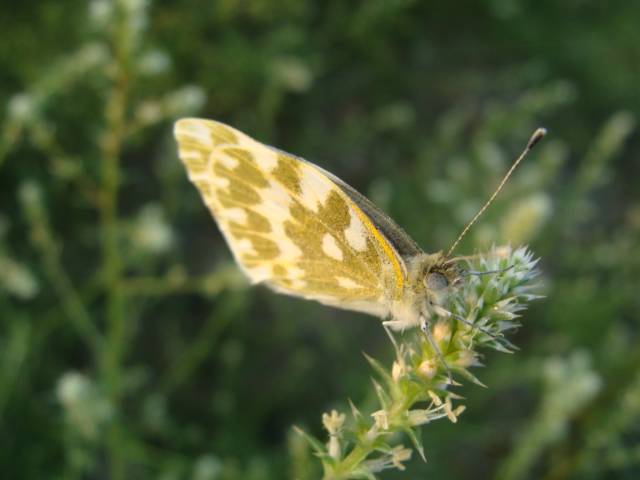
x: 130, y: 345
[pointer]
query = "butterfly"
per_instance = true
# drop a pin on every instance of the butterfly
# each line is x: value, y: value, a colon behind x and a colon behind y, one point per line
x: 302, y: 231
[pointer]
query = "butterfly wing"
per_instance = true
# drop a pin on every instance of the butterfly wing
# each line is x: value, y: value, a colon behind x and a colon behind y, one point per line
x: 289, y: 223
x: 395, y: 235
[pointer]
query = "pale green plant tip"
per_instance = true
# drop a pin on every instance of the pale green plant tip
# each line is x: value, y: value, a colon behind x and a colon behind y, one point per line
x: 489, y: 301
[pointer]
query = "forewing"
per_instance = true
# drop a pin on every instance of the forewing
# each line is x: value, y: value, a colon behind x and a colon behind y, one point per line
x: 395, y: 235
x: 287, y: 223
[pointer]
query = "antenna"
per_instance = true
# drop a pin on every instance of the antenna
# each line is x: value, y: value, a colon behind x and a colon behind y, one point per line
x: 535, y: 138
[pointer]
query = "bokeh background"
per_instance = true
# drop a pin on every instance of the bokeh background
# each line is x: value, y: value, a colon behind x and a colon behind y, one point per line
x: 131, y: 346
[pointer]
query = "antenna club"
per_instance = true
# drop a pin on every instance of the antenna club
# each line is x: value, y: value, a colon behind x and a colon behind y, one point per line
x: 536, y: 137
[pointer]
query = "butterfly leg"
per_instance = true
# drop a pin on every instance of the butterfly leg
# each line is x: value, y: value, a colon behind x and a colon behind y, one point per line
x: 446, y: 313
x: 425, y: 328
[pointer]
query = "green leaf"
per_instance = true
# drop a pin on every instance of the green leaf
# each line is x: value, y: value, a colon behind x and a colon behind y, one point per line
x: 468, y: 375
x: 416, y: 439
x: 363, y: 423
x: 381, y: 370
x: 363, y: 472
x: 385, y: 400
x: 316, y: 444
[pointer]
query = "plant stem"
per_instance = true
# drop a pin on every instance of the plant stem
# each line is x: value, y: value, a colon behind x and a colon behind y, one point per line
x: 111, y: 146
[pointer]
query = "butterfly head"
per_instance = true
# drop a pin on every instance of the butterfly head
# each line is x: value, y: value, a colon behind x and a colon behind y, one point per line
x: 435, y: 276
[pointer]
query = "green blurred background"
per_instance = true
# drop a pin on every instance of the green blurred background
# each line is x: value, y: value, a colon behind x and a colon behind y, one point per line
x: 130, y: 345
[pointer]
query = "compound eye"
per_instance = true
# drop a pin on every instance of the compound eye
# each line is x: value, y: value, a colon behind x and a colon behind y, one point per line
x: 436, y: 281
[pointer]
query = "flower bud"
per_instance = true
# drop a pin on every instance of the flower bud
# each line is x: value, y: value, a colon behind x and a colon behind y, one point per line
x: 441, y: 331
x: 427, y: 369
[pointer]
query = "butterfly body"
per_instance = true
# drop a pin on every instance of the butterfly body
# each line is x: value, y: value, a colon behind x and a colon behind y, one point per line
x: 304, y: 232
